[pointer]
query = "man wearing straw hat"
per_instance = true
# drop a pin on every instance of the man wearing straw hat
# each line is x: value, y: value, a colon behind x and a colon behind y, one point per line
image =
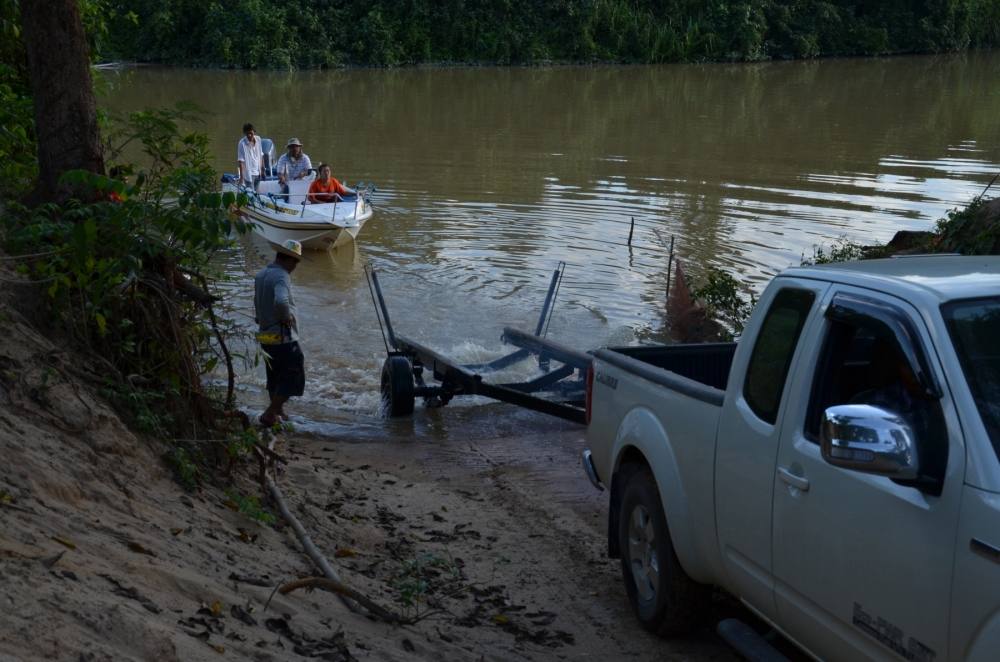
x: 293, y: 164
x: 274, y: 312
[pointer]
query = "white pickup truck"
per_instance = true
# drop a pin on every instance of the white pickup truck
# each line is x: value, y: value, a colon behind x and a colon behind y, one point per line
x: 837, y: 469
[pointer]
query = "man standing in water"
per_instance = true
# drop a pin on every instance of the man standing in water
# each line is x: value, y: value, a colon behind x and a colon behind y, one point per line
x: 250, y: 157
x: 274, y: 312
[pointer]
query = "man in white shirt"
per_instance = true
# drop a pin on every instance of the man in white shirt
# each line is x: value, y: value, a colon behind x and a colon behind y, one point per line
x: 250, y: 157
x: 293, y: 164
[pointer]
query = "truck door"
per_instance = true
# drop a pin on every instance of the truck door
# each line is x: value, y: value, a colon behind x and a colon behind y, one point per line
x: 748, y: 437
x: 863, y: 562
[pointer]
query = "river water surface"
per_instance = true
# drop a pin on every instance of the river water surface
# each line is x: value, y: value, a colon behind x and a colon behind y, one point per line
x: 489, y: 177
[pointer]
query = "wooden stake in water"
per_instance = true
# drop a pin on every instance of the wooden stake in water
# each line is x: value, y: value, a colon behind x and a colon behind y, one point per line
x: 631, y: 229
x: 670, y: 264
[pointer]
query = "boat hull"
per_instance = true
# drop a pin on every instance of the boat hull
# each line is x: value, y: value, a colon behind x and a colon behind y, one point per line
x: 317, y: 227
x: 312, y: 236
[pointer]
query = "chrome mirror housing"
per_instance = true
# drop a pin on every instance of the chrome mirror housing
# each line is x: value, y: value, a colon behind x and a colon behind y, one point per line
x: 869, y: 439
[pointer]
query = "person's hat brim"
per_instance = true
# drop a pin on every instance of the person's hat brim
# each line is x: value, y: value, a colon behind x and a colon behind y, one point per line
x: 281, y: 250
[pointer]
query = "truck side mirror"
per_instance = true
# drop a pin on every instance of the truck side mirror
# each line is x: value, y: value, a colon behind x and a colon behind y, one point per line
x: 869, y: 439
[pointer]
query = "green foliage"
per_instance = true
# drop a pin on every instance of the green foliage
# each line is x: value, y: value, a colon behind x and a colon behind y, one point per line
x: 249, y: 505
x: 94, y: 14
x: 18, y: 154
x: 422, y: 576
x: 726, y: 299
x: 145, y: 407
x: 126, y: 267
x: 319, y: 33
x: 241, y: 444
x: 974, y: 230
x: 842, y: 250
x: 11, y: 48
x: 170, y: 215
x: 971, y: 230
x: 115, y: 266
x: 184, y: 467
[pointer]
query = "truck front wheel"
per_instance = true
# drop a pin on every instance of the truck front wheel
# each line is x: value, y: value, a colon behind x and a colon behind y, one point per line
x: 665, y: 600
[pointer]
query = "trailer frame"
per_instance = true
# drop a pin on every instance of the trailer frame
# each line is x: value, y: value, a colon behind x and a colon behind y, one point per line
x: 403, y: 373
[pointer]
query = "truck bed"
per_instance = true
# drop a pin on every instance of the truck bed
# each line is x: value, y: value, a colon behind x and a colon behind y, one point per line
x: 707, y: 364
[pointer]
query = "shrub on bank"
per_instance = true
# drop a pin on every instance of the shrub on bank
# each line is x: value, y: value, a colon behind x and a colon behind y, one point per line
x: 125, y: 271
x: 971, y: 230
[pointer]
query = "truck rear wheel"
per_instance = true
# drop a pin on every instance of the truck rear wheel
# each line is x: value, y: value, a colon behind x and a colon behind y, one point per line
x: 397, y: 386
x: 665, y: 600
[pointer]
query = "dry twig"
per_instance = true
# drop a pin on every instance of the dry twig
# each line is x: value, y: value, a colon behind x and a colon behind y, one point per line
x: 346, y: 591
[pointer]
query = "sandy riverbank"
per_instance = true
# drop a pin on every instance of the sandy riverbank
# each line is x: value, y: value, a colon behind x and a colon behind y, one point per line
x: 497, y: 542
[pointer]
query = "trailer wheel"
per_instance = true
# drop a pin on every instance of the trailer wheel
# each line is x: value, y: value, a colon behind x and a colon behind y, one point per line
x: 397, y: 386
x: 664, y: 598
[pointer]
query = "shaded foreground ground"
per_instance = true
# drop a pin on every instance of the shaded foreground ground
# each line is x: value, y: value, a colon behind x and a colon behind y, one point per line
x: 498, y: 542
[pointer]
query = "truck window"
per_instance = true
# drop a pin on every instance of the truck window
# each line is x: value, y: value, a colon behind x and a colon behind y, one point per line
x: 861, y: 362
x: 773, y: 350
x: 975, y: 326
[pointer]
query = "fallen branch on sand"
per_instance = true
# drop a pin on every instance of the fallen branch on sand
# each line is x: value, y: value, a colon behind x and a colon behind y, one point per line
x: 331, y: 580
x: 345, y: 591
x: 307, y: 543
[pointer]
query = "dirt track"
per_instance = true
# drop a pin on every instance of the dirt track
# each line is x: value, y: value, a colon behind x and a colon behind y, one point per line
x: 526, y: 528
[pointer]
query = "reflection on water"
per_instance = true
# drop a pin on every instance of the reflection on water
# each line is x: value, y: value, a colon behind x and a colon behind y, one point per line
x: 488, y: 177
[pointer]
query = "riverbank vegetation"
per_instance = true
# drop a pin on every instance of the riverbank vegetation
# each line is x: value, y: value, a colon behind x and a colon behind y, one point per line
x: 124, y: 269
x: 116, y: 257
x: 970, y: 230
x: 325, y: 33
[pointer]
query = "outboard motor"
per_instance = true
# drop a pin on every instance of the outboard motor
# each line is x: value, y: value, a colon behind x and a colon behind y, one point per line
x: 267, y: 147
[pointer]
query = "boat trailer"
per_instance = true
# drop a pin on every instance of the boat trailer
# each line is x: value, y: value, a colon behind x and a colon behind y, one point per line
x: 403, y: 373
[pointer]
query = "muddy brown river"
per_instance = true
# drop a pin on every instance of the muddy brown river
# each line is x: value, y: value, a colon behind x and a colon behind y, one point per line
x: 489, y: 177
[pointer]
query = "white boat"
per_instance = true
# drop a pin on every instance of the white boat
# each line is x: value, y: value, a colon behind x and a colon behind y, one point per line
x: 278, y: 217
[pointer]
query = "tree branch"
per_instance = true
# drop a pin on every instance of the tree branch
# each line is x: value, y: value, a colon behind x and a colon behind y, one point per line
x: 343, y: 590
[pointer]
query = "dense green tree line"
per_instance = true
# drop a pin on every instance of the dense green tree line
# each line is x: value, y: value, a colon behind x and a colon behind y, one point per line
x: 319, y: 33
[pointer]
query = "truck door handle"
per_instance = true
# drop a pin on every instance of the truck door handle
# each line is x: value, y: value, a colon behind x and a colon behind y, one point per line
x: 793, y: 480
x: 985, y: 549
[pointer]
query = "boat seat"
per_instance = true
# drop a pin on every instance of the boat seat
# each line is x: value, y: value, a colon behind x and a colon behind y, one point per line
x: 269, y: 186
x: 298, y: 189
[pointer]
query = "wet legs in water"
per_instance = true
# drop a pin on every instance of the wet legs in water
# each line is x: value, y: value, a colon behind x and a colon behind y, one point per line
x: 275, y: 412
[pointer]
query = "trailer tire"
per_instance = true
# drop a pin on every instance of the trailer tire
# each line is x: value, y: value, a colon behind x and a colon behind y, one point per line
x: 664, y: 598
x: 397, y: 386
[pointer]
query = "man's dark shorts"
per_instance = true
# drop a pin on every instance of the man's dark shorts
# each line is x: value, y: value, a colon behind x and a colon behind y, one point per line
x: 286, y: 374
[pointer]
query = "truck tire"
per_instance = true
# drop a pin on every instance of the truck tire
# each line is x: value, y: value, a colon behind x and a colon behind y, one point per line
x: 665, y: 600
x: 397, y: 386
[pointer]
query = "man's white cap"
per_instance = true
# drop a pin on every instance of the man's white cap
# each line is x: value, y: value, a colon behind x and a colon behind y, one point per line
x: 293, y: 141
x: 291, y: 248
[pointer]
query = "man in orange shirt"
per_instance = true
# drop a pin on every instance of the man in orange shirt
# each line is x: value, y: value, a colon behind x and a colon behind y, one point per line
x: 325, y: 188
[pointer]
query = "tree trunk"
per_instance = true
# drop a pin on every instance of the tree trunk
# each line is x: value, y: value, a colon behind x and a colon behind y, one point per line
x: 65, y: 108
